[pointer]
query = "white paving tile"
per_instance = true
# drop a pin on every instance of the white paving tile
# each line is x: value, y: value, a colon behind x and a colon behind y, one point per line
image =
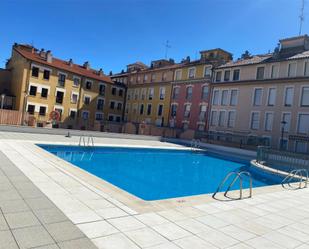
x: 193, y: 242
x: 114, y: 241
x: 127, y: 223
x: 171, y: 231
x: 97, y: 229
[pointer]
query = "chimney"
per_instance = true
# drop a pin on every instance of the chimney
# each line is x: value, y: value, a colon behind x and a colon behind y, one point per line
x: 49, y: 56
x: 110, y: 73
x: 101, y: 72
x: 70, y: 62
x: 87, y: 65
x: 42, y: 53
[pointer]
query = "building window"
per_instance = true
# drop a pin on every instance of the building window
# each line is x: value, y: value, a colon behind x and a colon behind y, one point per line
x: 153, y: 77
x: 287, y: 118
x: 44, y: 92
x: 72, y: 114
x: 86, y: 100
x: 178, y: 74
x: 191, y: 73
x: 99, y: 116
x: 113, y: 91
x: 150, y: 93
x: 200, y: 127
x: 205, y: 92
x: 202, y: 115
x: 85, y: 115
x: 231, y: 119
x: 88, y: 85
x: 160, y: 110
x: 283, y: 144
x: 221, y: 118
x: 269, y: 121
x: 164, y: 76
x: 112, y: 105
x: 149, y: 109
x: 61, y: 79
x: 185, y: 126
x: 76, y: 81
x: 306, y: 70
x: 288, y: 96
x: 255, y: 120
x: 214, y: 118
x: 59, y: 97
x: 271, y: 101
x: 189, y: 92
x: 31, y: 109
x: 145, y: 77
x: 143, y: 93
x: 260, y: 73
x: 292, y: 70
x: 111, y: 118
x: 42, y: 111
x: 303, y: 121
x: 100, y: 104
x: 187, y: 111
x: 218, y: 76
x: 215, y: 98
x: 304, y: 96
x: 138, y: 79
x: 136, y: 94
x: 74, y: 98
x: 162, y: 93
x: 300, y: 147
x: 102, y: 89
x: 234, y: 97
x: 59, y: 110
x: 257, y: 98
x: 46, y: 74
x: 141, y: 109
x: 35, y: 72
x: 224, y: 97
x: 33, y: 90
x: 119, y: 106
x: 207, y: 72
x: 176, y: 92
x: 118, y: 119
x: 227, y: 75
x: 236, y: 74
x: 274, y: 71
x: 174, y: 110
x: 120, y: 92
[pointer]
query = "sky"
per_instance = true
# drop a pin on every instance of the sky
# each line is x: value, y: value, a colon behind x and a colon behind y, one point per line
x: 111, y: 34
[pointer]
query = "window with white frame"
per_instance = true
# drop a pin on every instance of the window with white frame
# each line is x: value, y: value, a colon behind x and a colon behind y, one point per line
x: 73, y: 113
x: 98, y: 116
x: 274, y: 71
x: 176, y: 92
x: 76, y: 81
x: 215, y: 97
x: 236, y: 74
x: 189, y: 91
x: 255, y: 120
x: 300, y: 147
x: 100, y: 104
x: 257, y: 97
x: 173, y: 110
x: 145, y: 77
x: 292, y: 69
x: 205, y: 92
x: 306, y: 68
x: 260, y: 73
x: 271, y: 100
x: 150, y: 93
x: 141, y: 109
x: 227, y: 75
x: 214, y: 118
x: 269, y: 116
x: 288, y: 96
x: 207, y: 71
x: 162, y: 93
x: 218, y: 76
x: 153, y: 77
x: 85, y: 115
x: 164, y: 76
x: 149, y: 109
x: 234, y: 97
x: 87, y: 100
x: 221, y: 118
x: 191, y: 74
x: 224, y: 97
x: 136, y: 94
x: 202, y: 115
x: 231, y: 119
x: 303, y: 123
x: 74, y: 98
x: 304, y: 101
x: 178, y: 74
x: 286, y: 117
x: 187, y: 110
x: 143, y: 93
x: 160, y: 110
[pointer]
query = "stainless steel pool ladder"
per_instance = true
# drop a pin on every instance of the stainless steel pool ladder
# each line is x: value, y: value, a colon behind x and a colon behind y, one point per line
x: 300, y: 174
x: 82, y: 141
x: 237, y: 175
x: 195, y: 144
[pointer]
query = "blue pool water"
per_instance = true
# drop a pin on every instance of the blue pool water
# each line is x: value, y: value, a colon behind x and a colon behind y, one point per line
x: 153, y: 174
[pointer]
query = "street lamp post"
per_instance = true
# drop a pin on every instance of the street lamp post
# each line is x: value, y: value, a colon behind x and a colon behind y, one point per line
x: 283, y: 123
x: 2, y: 100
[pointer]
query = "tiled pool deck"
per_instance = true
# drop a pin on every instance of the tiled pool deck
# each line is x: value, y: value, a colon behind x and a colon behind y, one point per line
x: 44, y: 205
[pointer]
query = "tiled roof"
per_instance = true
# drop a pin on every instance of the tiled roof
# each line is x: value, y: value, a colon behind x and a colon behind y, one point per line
x: 252, y: 60
x: 64, y: 65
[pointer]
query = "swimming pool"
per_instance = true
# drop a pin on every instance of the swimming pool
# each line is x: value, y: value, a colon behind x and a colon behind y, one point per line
x: 154, y: 174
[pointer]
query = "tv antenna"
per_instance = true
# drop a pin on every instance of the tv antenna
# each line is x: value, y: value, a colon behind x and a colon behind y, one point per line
x: 301, y: 17
x: 167, y: 47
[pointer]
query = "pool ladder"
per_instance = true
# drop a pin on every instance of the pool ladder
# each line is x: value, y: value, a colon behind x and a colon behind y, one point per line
x: 237, y: 175
x: 195, y: 144
x: 82, y: 141
x: 300, y: 174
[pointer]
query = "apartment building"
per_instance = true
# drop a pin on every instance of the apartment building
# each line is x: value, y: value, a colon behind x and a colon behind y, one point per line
x: 265, y: 96
x: 191, y: 90
x: 149, y: 91
x: 41, y: 83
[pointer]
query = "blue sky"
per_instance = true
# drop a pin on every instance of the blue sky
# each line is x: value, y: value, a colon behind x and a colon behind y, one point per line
x: 113, y: 33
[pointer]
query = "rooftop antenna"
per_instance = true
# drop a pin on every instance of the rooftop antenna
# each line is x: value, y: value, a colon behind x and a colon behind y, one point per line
x: 301, y: 17
x: 167, y: 46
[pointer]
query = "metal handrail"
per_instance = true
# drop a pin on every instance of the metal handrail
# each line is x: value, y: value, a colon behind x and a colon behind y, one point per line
x: 238, y: 175
x: 82, y: 141
x: 301, y: 174
x: 195, y: 144
x: 90, y: 139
